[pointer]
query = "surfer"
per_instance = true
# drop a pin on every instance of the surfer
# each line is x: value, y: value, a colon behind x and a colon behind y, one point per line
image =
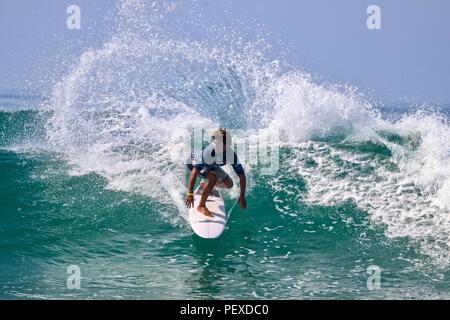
x: 207, y: 163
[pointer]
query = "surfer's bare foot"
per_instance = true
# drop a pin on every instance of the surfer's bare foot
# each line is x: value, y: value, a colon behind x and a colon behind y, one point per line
x: 205, y: 211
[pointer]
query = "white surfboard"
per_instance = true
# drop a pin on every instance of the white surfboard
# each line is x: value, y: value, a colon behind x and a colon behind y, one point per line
x: 208, y: 227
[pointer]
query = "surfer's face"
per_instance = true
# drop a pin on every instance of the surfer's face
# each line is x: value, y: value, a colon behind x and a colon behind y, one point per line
x: 219, y: 146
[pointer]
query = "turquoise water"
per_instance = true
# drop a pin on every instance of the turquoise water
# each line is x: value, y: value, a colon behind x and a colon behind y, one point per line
x: 92, y: 175
x: 126, y: 248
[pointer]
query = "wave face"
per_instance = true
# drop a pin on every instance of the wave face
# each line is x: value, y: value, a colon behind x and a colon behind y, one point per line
x: 121, y: 109
x: 346, y: 167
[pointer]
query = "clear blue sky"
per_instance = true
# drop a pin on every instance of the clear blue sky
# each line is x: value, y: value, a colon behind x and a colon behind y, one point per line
x: 407, y: 59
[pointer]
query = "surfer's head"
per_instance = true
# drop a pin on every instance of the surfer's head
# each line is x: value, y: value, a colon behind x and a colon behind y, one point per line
x: 221, y: 139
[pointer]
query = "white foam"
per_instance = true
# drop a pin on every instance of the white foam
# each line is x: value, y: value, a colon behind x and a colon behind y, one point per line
x: 304, y: 109
x: 121, y: 108
x: 407, y: 192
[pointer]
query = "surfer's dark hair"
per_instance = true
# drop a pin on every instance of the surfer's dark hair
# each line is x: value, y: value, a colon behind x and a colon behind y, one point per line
x: 221, y: 132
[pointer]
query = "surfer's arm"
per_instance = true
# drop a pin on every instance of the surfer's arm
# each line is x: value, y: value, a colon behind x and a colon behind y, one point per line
x: 190, y: 193
x: 243, y: 183
x: 239, y: 170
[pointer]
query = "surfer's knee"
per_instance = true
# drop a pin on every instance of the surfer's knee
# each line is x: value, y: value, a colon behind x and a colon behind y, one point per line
x: 212, y: 177
x: 227, y: 183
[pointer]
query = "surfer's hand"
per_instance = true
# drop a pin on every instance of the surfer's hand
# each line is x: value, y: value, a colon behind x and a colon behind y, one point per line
x: 242, y: 201
x: 189, y: 201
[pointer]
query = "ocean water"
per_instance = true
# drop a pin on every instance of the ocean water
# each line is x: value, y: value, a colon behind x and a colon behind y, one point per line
x: 91, y: 176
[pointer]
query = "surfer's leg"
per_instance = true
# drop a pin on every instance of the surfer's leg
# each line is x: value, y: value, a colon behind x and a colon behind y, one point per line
x: 227, y: 183
x: 223, y: 179
x: 212, y: 179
